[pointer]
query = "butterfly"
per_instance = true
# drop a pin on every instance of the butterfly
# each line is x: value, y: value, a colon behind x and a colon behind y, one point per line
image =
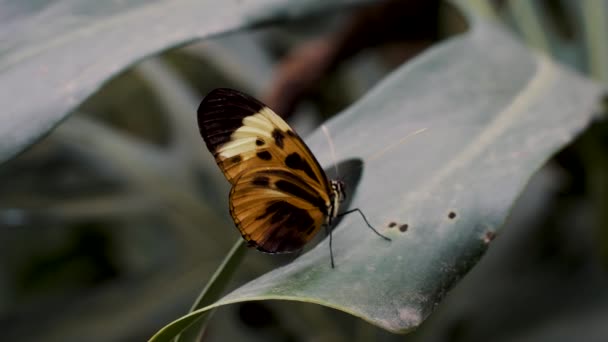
x: 280, y: 195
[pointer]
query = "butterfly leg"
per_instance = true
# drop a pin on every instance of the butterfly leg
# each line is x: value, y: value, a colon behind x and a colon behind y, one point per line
x: 364, y: 219
x: 331, y: 252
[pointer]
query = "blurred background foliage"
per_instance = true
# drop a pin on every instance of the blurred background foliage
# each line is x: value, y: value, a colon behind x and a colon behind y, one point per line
x: 100, y: 221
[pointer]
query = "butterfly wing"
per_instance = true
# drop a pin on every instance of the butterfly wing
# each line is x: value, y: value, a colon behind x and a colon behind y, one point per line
x: 242, y: 133
x: 249, y: 141
x: 275, y: 210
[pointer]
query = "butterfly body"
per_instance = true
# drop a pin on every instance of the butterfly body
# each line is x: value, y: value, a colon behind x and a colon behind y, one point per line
x: 280, y: 195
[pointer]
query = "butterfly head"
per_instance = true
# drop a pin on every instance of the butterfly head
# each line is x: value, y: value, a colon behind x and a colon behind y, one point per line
x: 337, y: 187
x: 337, y: 196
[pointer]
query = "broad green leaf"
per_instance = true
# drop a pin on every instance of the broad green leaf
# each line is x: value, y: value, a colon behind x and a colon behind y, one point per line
x: 448, y: 142
x: 55, y: 54
x: 573, y: 32
x: 595, y: 22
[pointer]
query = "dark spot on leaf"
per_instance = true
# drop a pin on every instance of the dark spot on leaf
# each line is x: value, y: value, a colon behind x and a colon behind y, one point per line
x: 259, y: 142
x: 452, y: 215
x: 489, y: 236
x: 403, y: 227
x: 392, y: 224
x: 265, y: 155
x: 278, y: 137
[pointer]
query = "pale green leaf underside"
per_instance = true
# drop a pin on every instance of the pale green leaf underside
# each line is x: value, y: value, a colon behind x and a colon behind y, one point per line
x: 55, y: 54
x: 488, y: 113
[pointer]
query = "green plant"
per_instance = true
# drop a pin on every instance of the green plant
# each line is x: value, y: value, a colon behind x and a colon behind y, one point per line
x: 489, y: 112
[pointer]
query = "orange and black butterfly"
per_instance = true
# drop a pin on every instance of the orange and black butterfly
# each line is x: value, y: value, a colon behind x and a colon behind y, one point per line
x: 280, y: 195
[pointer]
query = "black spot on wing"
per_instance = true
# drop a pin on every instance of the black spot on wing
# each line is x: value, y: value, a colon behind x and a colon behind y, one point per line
x: 236, y: 159
x: 264, y: 155
x: 292, y: 242
x: 290, y: 216
x: 289, y: 226
x: 281, y: 241
x: 222, y: 112
x: 299, y: 219
x: 295, y: 190
x: 259, y: 142
x: 261, y: 181
x: 278, y: 137
x: 294, y: 161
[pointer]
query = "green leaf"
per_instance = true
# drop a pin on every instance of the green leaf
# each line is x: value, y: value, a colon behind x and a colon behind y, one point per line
x: 595, y: 23
x: 214, y: 289
x: 55, y: 54
x: 448, y: 142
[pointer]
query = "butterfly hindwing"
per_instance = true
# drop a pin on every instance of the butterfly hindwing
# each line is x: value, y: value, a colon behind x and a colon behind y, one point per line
x: 280, y: 195
x: 275, y: 210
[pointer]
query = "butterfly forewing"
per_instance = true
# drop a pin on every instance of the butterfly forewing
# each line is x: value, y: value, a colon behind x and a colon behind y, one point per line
x: 280, y: 195
x: 242, y: 133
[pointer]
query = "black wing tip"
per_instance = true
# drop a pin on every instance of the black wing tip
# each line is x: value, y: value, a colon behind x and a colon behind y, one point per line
x: 226, y: 102
x: 217, y: 94
x: 220, y: 113
x: 219, y: 97
x: 220, y: 94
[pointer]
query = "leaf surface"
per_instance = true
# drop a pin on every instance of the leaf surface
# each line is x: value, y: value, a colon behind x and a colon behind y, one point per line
x: 448, y: 142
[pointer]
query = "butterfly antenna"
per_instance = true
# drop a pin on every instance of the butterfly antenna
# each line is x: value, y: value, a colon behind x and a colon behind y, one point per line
x: 367, y: 222
x: 331, y: 252
x: 397, y: 143
x: 331, y: 148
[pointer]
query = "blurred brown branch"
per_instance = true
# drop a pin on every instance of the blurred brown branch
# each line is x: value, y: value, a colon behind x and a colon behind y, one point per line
x: 412, y: 23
